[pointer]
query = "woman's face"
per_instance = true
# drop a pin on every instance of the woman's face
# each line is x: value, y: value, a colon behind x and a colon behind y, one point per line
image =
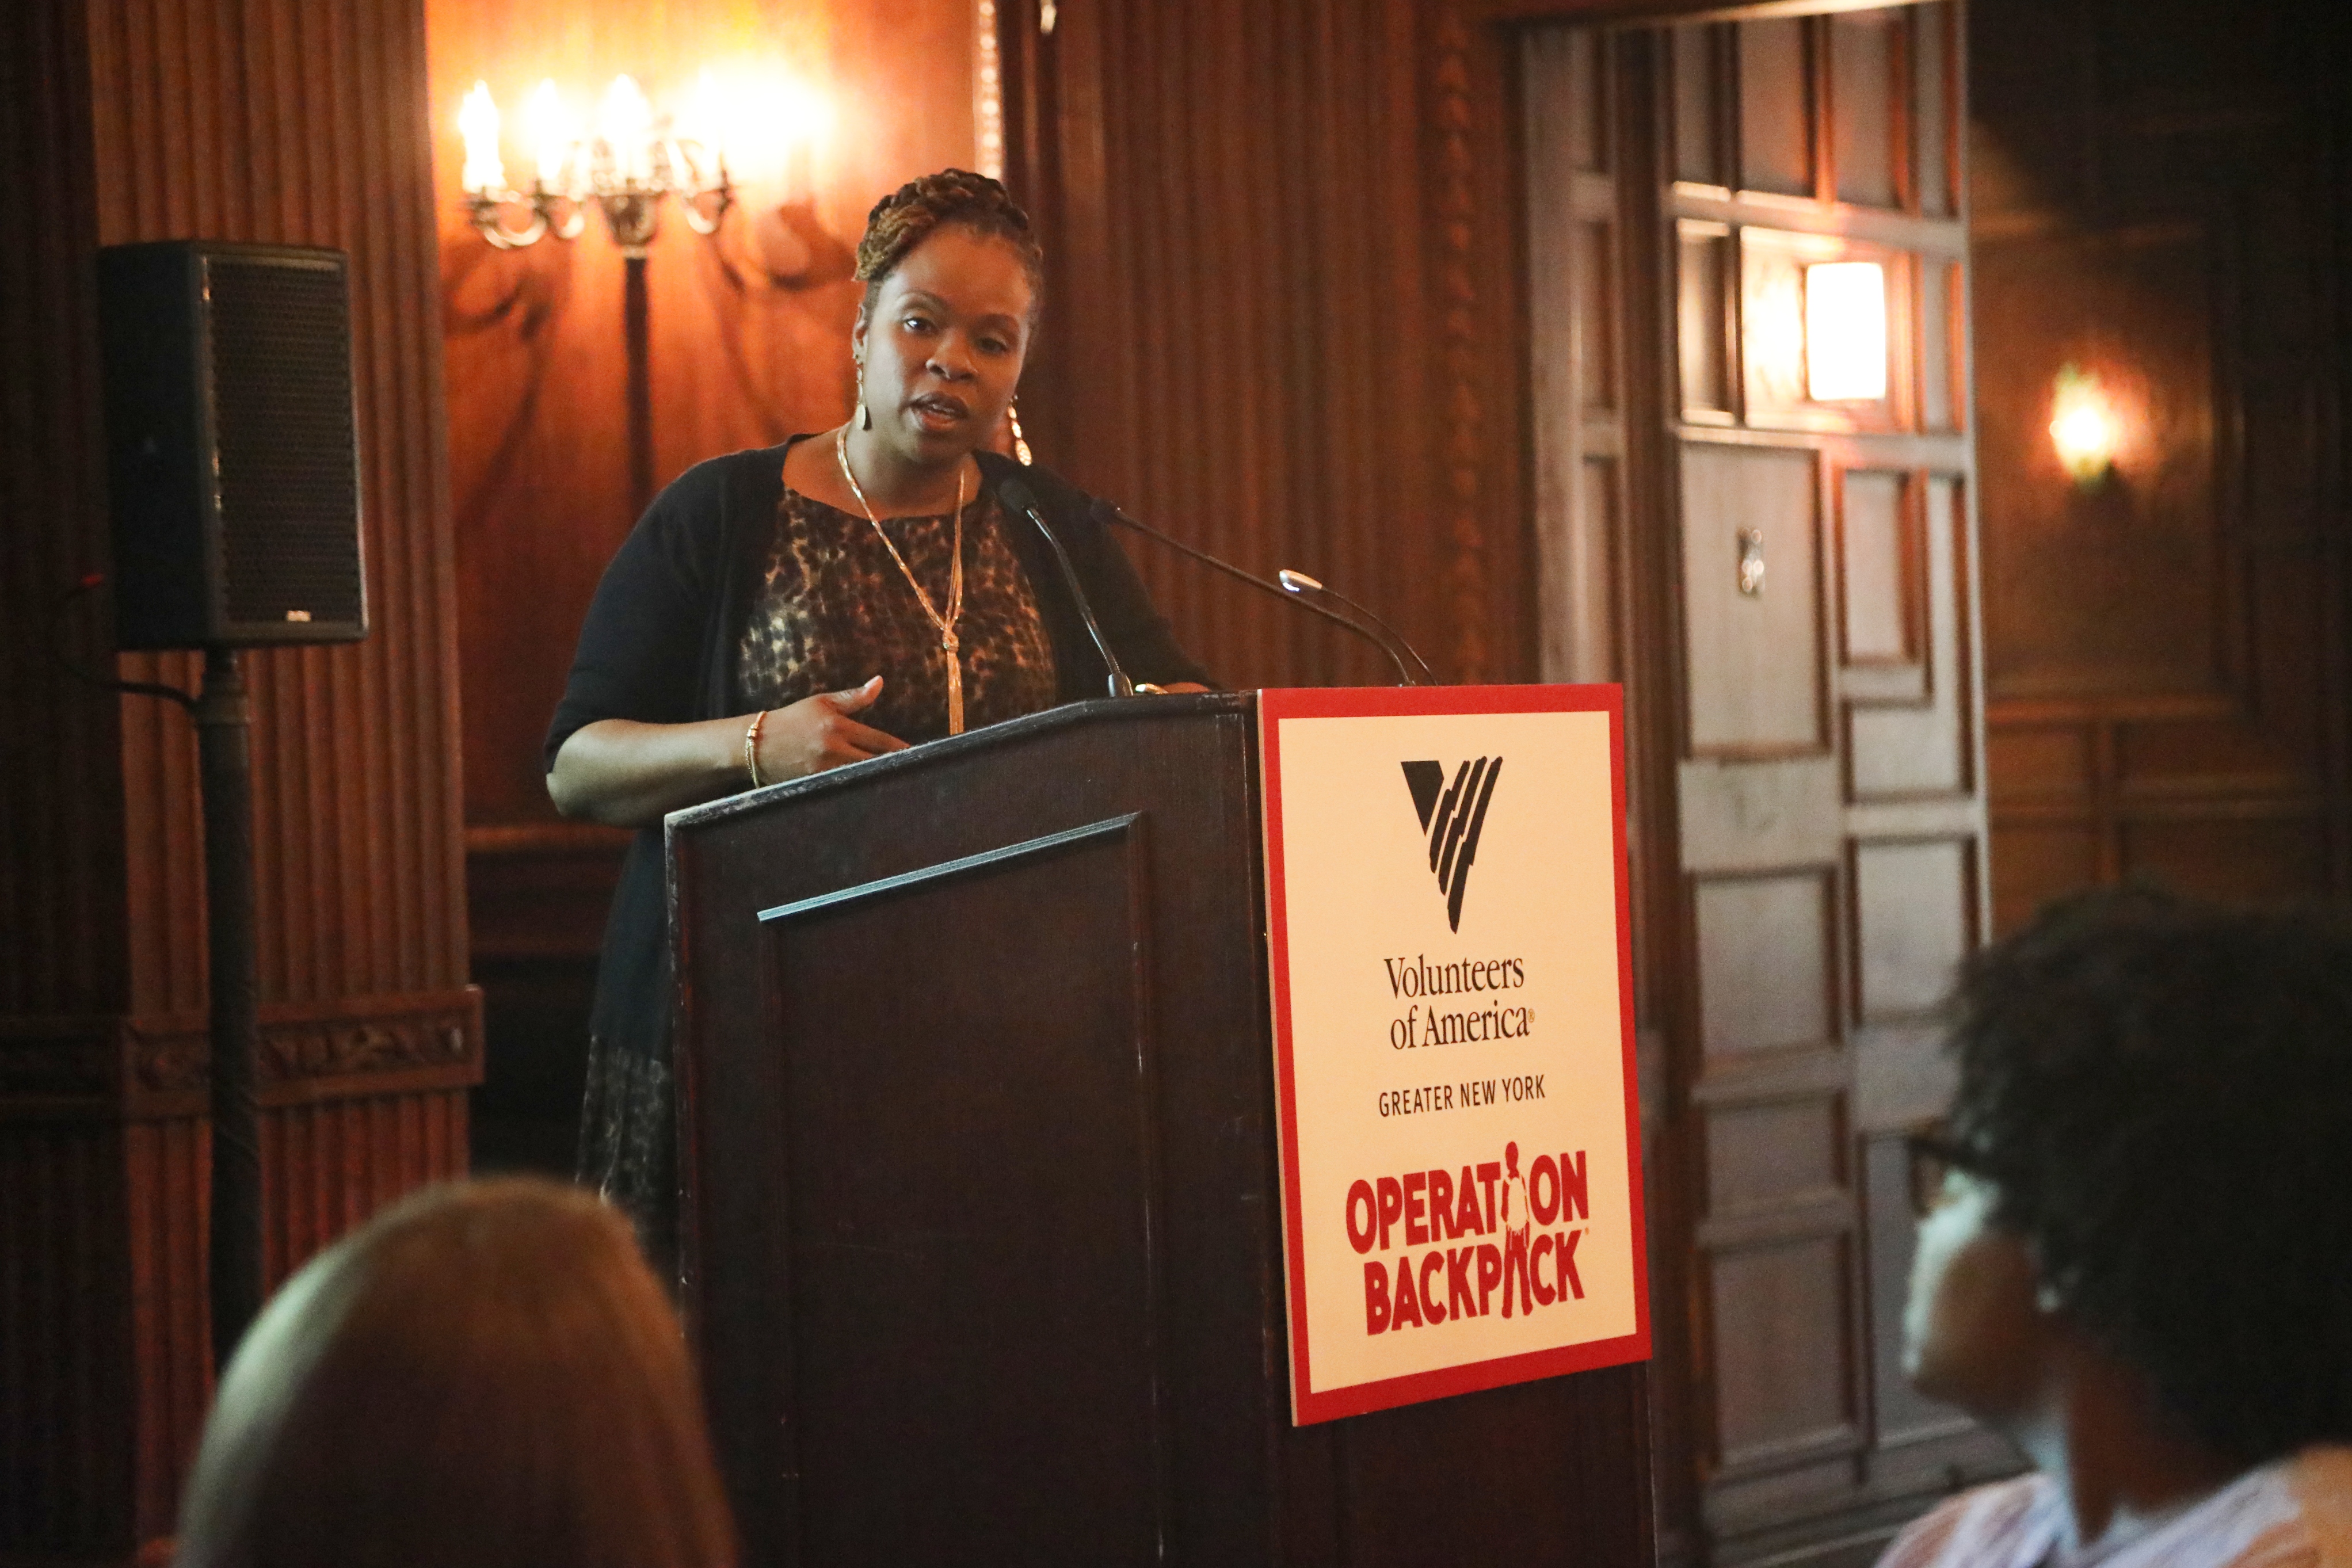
x: 1974, y: 1333
x: 944, y: 344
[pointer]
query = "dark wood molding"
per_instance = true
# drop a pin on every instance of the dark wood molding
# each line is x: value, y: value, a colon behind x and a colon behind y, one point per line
x: 525, y: 841
x: 145, y: 1068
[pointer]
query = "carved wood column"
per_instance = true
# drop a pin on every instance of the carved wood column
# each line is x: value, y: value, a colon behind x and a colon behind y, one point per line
x: 130, y: 120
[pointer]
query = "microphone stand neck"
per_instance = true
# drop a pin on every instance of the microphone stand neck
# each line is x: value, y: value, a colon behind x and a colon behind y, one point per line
x: 1022, y: 499
x: 1379, y: 631
x: 1105, y: 512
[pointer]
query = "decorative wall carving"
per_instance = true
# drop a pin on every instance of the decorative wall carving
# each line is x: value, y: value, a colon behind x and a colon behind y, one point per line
x: 380, y: 1035
x: 1455, y: 201
x: 331, y: 1050
x: 172, y: 1063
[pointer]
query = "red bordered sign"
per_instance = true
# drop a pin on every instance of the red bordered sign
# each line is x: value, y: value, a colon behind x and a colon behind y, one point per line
x: 1448, y: 921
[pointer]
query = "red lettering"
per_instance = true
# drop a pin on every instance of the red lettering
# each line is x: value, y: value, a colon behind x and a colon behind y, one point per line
x: 1440, y: 1206
x: 1361, y: 1240
x: 1467, y: 1221
x: 1515, y: 1267
x: 1565, y: 1253
x: 1572, y: 1192
x: 1487, y: 1175
x: 1545, y: 1295
x: 1429, y: 1304
x: 1539, y: 1173
x: 1407, y: 1309
x: 1391, y: 1205
x: 1490, y: 1274
x: 1416, y: 1229
x: 1376, y: 1297
x: 1459, y: 1301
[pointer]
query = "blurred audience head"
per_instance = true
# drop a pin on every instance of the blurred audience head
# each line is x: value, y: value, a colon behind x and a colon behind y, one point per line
x: 2151, y: 1150
x: 486, y: 1374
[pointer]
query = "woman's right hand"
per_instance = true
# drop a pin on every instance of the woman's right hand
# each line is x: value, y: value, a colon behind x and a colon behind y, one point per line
x: 817, y: 733
x: 629, y: 774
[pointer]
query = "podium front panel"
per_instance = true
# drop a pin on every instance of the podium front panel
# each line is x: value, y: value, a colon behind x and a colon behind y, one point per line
x: 974, y: 1090
x: 971, y: 1204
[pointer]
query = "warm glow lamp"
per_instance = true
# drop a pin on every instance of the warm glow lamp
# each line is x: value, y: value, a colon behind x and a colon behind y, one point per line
x: 2083, y: 427
x: 1845, y: 331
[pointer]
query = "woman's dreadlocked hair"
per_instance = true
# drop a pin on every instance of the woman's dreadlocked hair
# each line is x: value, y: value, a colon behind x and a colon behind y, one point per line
x: 916, y: 210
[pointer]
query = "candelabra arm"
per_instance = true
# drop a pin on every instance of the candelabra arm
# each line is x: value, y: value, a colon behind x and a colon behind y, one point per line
x: 723, y: 194
x: 545, y: 201
x: 487, y: 210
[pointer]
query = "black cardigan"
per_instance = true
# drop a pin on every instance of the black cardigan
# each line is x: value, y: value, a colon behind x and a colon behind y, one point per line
x: 658, y: 646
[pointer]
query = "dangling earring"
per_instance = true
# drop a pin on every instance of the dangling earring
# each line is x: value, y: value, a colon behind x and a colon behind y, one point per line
x: 864, y: 417
x: 1020, y: 442
x: 865, y: 414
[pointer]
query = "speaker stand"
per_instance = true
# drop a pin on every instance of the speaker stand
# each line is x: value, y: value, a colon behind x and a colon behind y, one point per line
x: 226, y: 760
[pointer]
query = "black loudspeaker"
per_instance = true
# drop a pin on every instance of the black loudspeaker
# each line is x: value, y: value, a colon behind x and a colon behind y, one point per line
x: 233, y: 460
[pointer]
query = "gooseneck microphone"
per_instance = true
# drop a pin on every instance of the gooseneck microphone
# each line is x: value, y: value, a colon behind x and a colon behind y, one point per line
x: 1017, y: 495
x: 1381, y: 632
x: 1390, y: 644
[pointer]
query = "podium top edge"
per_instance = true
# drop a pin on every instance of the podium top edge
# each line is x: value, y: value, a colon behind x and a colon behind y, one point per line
x: 1066, y: 716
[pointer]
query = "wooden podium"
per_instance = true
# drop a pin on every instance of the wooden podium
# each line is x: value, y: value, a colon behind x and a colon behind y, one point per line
x: 979, y: 1234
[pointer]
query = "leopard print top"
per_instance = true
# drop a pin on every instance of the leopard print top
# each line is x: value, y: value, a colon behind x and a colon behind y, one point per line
x: 831, y: 608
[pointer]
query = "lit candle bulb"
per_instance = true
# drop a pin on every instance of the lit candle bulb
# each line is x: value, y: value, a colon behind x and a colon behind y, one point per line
x: 803, y: 118
x: 711, y: 121
x: 624, y: 122
x: 477, y: 122
x: 552, y: 134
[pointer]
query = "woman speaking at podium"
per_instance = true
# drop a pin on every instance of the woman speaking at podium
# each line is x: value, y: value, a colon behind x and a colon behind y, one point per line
x: 780, y: 611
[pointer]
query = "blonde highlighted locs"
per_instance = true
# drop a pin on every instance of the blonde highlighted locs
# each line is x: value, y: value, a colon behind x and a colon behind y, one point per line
x: 920, y: 209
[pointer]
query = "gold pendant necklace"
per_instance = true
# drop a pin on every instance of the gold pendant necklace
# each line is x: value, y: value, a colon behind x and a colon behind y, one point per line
x: 950, y: 649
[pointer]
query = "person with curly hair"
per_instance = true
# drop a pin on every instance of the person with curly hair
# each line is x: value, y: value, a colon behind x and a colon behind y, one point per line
x: 484, y: 1376
x: 2140, y: 1268
x: 782, y: 612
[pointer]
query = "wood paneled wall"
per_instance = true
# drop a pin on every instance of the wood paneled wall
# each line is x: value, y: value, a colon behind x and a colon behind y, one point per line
x: 1277, y: 327
x: 2159, y: 200
x: 130, y: 120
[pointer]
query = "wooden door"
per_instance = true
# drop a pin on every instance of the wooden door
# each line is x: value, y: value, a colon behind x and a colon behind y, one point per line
x: 1787, y: 585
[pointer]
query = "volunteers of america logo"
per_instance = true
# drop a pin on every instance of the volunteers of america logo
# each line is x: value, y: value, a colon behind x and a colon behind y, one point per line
x: 1452, y: 815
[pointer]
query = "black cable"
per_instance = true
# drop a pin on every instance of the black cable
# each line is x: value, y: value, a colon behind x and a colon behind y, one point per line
x: 91, y: 677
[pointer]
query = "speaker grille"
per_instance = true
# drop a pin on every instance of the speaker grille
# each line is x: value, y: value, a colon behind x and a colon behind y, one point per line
x: 281, y: 404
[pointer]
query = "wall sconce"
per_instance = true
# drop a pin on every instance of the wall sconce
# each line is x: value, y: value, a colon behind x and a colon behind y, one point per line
x: 2083, y: 427
x: 632, y: 161
x: 1845, y: 331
